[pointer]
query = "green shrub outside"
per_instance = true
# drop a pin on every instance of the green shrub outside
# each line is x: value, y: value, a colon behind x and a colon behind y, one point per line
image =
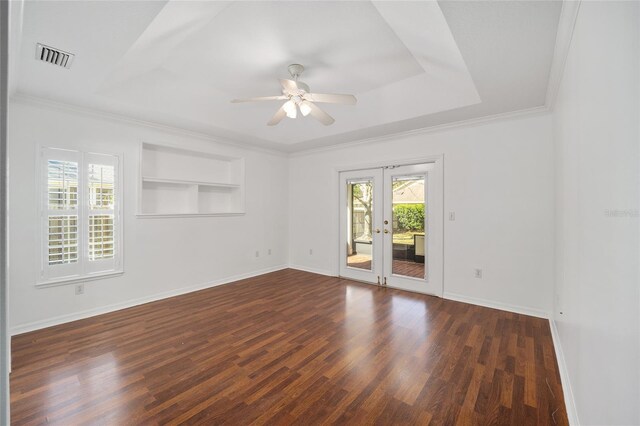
x: 409, y: 217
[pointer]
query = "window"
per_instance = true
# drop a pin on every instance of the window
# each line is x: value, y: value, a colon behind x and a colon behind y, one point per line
x: 81, y: 202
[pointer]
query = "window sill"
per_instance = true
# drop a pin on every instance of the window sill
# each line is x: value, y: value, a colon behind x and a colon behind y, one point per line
x: 74, y: 280
x: 166, y: 215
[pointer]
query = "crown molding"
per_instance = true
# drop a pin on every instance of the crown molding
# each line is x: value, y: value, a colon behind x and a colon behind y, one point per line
x: 24, y: 99
x: 472, y: 122
x: 564, y: 35
x: 21, y: 98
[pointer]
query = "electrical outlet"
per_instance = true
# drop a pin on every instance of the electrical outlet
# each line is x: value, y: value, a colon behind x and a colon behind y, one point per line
x: 452, y: 216
x: 478, y: 273
x: 269, y: 252
x: 257, y: 253
x: 79, y: 289
x: 310, y: 252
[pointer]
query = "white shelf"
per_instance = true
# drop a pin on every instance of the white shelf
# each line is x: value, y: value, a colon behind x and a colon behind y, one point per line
x: 177, y: 182
x: 189, y: 182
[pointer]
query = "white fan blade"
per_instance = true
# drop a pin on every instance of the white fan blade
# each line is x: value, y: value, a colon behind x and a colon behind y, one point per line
x: 278, y: 116
x: 289, y: 86
x: 331, y: 98
x: 319, y: 114
x: 262, y: 98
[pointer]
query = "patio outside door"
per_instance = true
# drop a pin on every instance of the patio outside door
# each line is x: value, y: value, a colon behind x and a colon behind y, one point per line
x: 391, y: 223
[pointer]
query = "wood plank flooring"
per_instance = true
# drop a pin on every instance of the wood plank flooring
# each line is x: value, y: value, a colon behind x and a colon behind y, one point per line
x: 290, y: 347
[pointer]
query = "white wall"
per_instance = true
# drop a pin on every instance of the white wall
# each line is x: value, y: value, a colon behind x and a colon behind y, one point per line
x: 597, y: 137
x: 5, y: 346
x: 498, y: 178
x: 161, y: 256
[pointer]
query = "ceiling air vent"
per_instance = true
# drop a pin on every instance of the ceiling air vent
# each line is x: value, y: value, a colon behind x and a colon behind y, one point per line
x: 54, y: 56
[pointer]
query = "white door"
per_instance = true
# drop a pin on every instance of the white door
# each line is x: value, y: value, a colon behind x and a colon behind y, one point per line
x: 413, y: 228
x: 360, y: 209
x: 391, y: 227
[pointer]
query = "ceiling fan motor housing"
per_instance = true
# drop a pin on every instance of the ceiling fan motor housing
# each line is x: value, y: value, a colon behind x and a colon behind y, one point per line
x: 295, y: 70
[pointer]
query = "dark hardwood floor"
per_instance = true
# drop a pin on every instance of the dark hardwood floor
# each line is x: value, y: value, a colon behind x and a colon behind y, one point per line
x: 290, y: 347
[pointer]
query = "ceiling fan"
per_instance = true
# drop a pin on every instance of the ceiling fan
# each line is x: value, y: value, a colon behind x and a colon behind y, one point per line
x: 298, y: 96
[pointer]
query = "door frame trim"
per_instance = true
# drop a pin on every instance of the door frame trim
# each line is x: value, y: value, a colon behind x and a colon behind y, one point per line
x: 386, y: 163
x: 335, y: 187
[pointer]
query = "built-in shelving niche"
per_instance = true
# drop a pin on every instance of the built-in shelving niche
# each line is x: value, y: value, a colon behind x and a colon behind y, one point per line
x: 176, y: 182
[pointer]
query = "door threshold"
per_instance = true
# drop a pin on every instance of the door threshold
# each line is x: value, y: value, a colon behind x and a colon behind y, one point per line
x: 389, y: 286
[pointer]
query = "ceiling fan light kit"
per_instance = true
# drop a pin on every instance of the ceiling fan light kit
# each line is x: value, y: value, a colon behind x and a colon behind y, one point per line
x: 298, y: 96
x: 290, y: 109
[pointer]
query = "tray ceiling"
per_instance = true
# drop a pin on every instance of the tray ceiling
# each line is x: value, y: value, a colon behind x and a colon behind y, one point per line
x: 410, y: 64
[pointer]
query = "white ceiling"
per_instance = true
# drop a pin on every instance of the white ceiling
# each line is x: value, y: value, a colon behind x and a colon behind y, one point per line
x: 410, y: 64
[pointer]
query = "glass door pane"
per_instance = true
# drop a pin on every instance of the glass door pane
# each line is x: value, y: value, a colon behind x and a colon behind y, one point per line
x: 360, y: 235
x: 408, y: 226
x: 360, y: 224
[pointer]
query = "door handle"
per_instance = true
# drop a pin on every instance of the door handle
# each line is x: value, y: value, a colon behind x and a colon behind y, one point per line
x: 377, y: 230
x: 386, y: 231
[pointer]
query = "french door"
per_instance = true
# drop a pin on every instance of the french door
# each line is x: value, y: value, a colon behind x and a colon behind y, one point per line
x: 391, y: 223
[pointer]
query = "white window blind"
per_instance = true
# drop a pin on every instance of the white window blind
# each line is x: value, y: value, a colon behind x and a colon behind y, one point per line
x: 101, y: 211
x: 62, y: 184
x: 63, y: 239
x: 81, y: 215
x: 62, y: 215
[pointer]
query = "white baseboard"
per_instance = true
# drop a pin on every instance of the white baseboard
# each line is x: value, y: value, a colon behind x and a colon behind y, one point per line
x: 497, y: 305
x: 312, y: 270
x: 37, y: 325
x: 569, y: 401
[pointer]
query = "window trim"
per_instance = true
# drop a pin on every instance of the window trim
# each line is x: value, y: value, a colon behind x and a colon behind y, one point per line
x: 44, y: 153
x: 80, y: 279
